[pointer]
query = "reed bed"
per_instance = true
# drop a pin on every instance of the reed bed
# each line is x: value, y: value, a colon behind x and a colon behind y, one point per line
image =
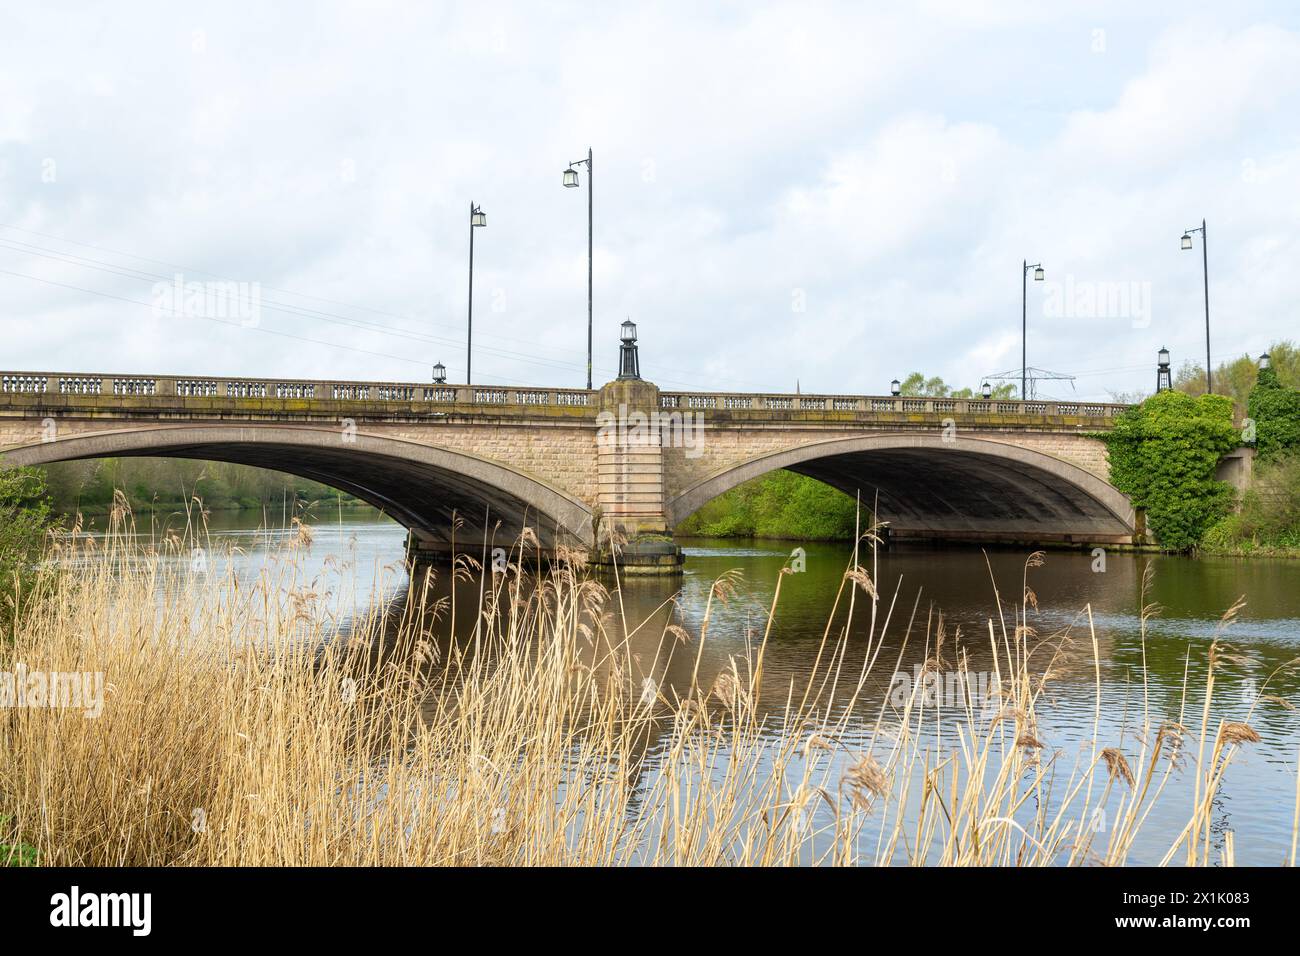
x: 241, y: 727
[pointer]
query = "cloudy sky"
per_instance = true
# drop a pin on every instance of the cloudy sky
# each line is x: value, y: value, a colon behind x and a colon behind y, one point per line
x: 783, y: 192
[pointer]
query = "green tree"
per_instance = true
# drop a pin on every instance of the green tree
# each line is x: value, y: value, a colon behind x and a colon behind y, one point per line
x: 1236, y: 377
x: 781, y: 504
x: 168, y: 483
x: 917, y: 385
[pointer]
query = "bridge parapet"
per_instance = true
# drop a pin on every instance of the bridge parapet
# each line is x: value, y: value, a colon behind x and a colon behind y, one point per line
x: 134, y: 394
x: 80, y: 383
x: 895, y: 404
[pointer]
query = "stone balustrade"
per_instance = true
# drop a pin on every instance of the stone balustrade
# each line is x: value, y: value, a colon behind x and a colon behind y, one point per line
x: 749, y: 406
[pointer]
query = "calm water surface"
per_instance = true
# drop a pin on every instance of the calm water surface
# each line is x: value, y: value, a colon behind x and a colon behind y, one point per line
x: 1259, y: 793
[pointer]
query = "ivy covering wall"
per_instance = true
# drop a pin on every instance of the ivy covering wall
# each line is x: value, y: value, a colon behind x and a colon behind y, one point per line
x: 1275, y: 411
x: 1163, y: 455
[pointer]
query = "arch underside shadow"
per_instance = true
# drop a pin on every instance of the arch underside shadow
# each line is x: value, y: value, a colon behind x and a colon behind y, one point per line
x: 424, y: 487
x: 959, y: 489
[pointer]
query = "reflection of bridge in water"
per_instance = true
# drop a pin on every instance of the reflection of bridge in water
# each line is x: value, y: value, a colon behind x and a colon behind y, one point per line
x: 571, y: 463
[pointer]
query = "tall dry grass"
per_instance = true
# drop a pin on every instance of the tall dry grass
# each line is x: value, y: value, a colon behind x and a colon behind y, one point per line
x: 239, y: 729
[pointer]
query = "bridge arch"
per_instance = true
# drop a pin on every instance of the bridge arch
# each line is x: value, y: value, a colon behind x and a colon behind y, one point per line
x: 958, y: 487
x: 420, y: 485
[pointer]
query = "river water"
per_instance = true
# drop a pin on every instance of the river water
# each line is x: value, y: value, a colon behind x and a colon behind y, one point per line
x: 1256, y: 800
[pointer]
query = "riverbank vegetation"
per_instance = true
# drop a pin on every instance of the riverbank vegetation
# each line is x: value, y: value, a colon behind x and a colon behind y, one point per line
x: 25, y: 521
x: 171, y: 484
x: 1268, y: 520
x: 1164, y: 454
x: 780, y: 504
x: 238, y: 728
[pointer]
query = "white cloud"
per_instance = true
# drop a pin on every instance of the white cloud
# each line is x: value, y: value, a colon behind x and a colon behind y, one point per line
x: 816, y: 193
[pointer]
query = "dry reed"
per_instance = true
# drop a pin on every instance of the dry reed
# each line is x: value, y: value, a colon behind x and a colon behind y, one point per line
x: 238, y: 729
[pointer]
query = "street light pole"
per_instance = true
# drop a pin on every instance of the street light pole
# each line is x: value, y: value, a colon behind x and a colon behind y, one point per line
x: 1205, y: 274
x: 476, y: 219
x: 1024, y: 321
x: 590, y: 202
x: 571, y: 180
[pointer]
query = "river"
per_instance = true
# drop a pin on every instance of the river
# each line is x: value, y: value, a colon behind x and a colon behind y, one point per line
x: 1256, y: 800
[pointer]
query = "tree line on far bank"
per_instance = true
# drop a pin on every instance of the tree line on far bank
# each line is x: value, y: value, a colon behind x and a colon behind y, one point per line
x: 87, y: 487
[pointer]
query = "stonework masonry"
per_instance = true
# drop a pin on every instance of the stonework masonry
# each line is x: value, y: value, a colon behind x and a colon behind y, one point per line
x: 587, y: 456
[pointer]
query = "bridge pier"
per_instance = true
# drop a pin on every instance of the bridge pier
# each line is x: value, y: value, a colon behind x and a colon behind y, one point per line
x: 632, y: 529
x: 636, y: 558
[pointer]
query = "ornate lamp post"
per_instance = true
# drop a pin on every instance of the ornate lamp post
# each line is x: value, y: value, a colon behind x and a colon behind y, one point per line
x: 986, y: 390
x: 1163, y: 380
x: 629, y: 364
x: 1186, y: 244
x: 477, y: 219
x: 571, y: 182
x: 1264, y: 362
x: 895, y: 387
x: 440, y: 374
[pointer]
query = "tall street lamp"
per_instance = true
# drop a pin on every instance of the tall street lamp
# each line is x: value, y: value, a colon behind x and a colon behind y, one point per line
x: 476, y: 220
x: 1039, y: 275
x: 1186, y: 244
x: 571, y: 182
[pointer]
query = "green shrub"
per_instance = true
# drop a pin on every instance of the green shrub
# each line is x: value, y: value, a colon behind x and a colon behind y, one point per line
x: 24, y: 522
x: 1269, y: 519
x: 781, y: 504
x: 1275, y: 410
x: 18, y: 853
x: 1163, y: 455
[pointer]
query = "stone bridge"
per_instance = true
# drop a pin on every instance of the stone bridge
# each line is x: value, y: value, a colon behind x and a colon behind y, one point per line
x: 453, y: 461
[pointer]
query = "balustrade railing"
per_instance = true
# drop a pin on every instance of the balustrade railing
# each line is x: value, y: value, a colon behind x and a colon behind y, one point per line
x: 79, y: 386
